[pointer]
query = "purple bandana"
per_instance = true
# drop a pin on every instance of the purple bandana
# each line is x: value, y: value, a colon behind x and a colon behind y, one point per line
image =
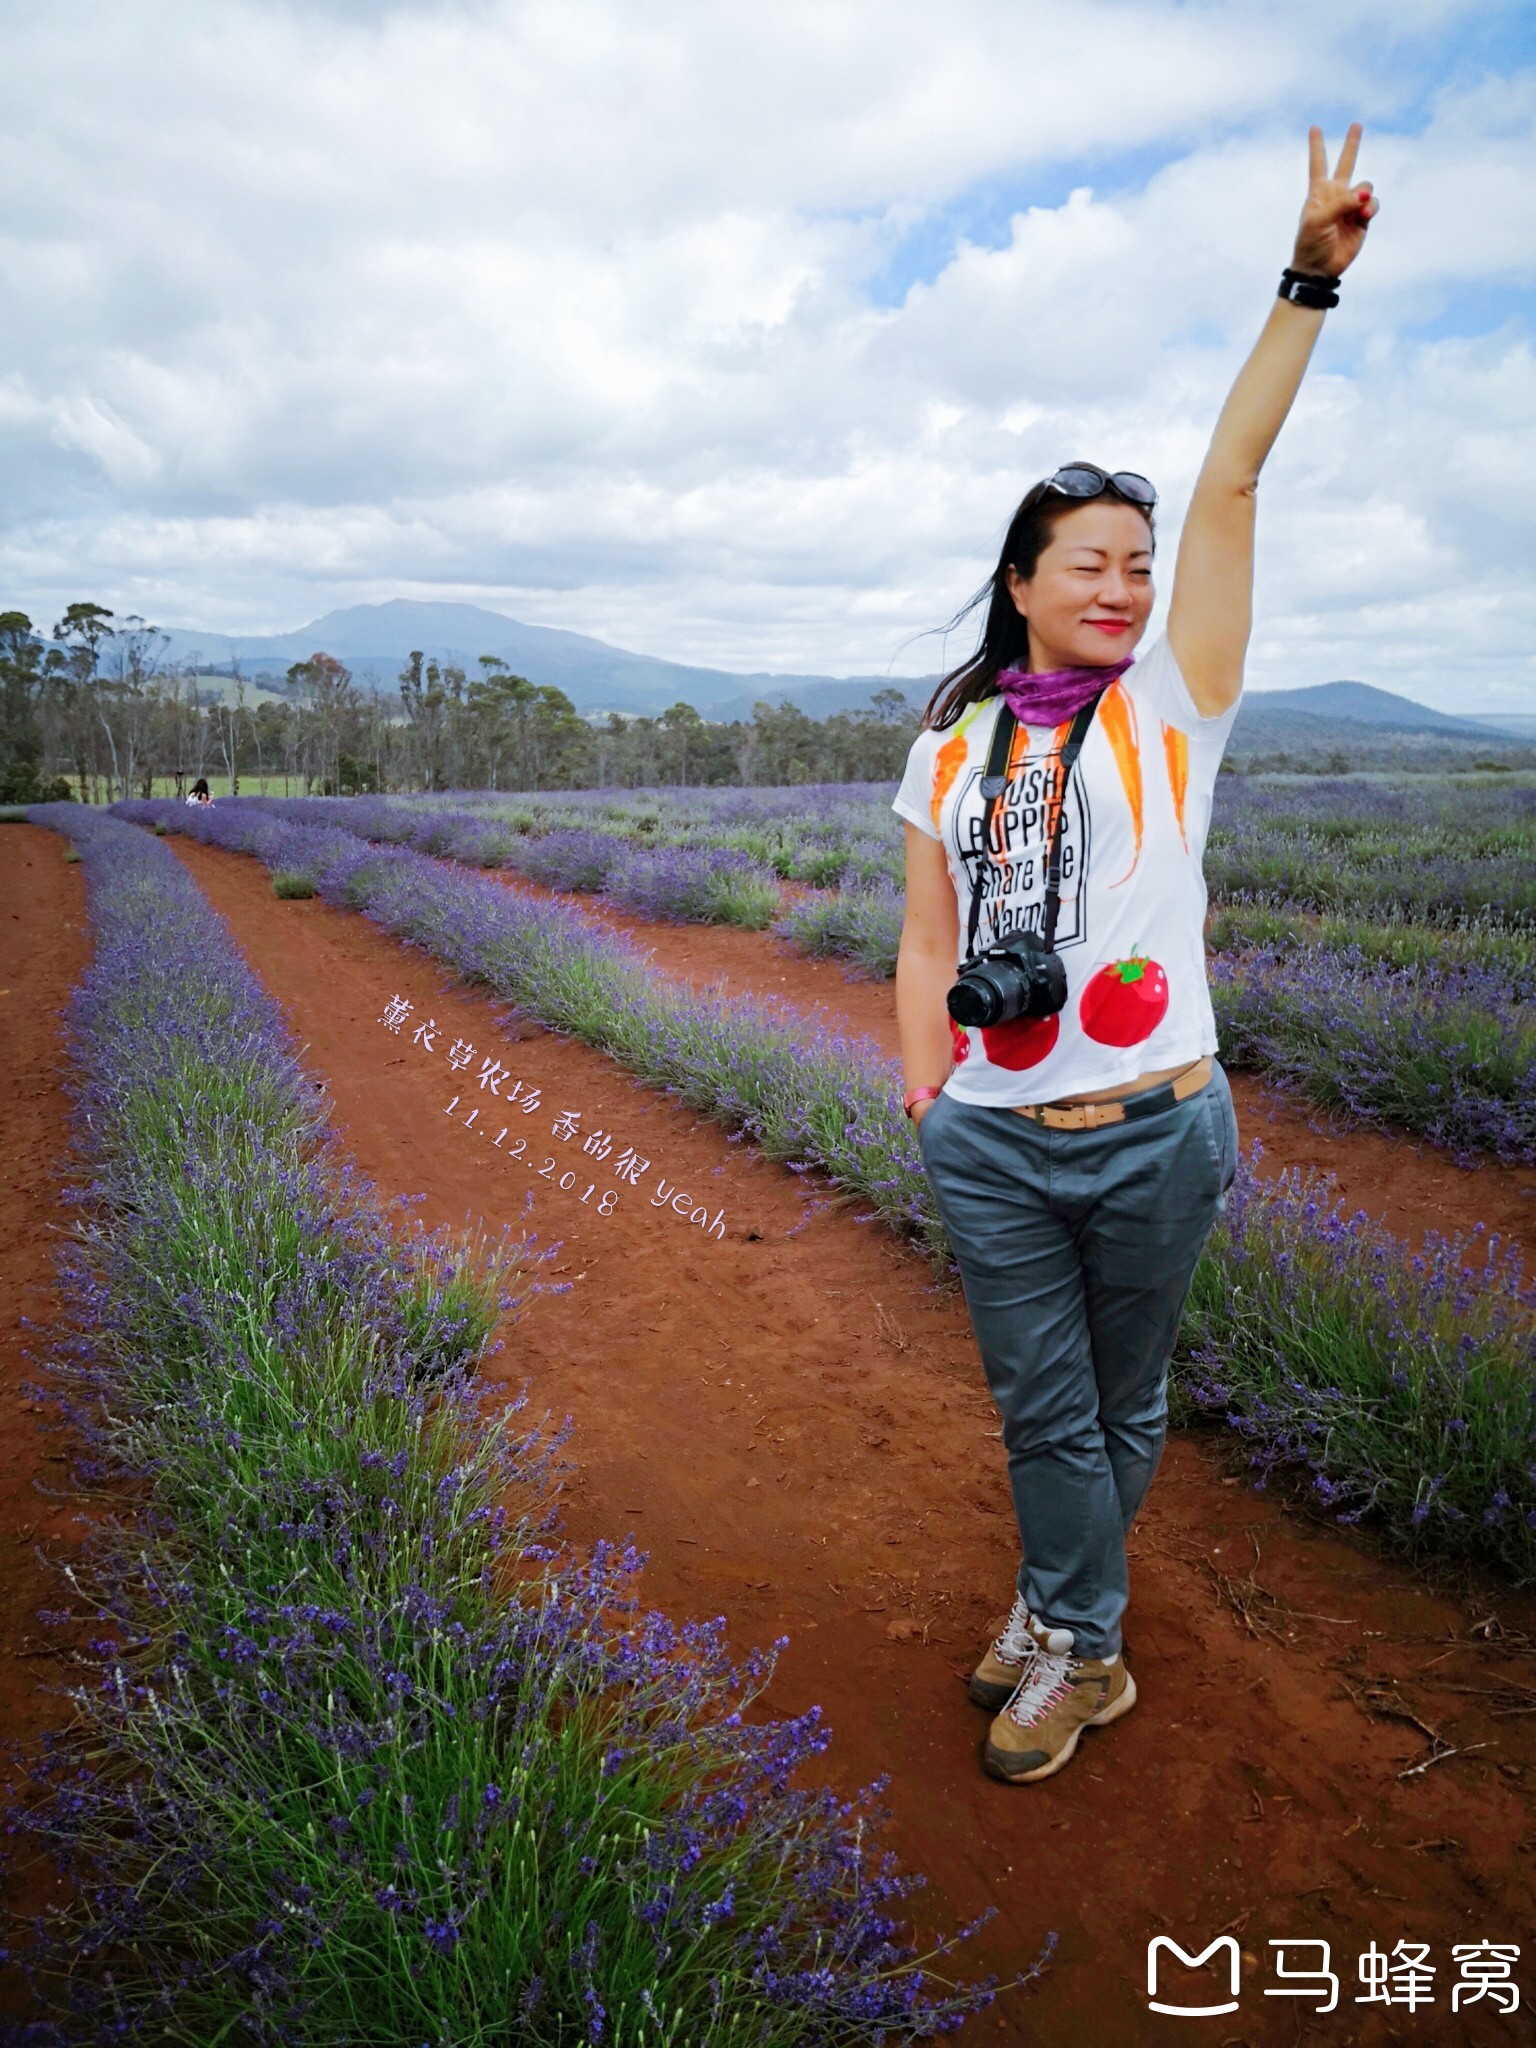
x: 1058, y: 694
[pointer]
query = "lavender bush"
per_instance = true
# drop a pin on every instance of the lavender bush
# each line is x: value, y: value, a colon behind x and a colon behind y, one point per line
x: 674, y: 881
x: 575, y: 859
x: 818, y: 1099
x: 696, y: 885
x: 1440, y: 852
x: 1440, y: 1052
x: 364, y: 1756
x: 1507, y: 958
x: 860, y: 925
x: 1404, y: 1387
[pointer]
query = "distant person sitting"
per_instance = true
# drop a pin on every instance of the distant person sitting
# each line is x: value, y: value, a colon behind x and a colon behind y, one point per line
x: 199, y: 794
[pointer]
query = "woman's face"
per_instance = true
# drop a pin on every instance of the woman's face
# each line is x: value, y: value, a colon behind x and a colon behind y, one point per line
x: 1091, y: 595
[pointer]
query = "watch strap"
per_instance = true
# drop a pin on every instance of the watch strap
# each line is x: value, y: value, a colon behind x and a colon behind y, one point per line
x: 1309, y: 288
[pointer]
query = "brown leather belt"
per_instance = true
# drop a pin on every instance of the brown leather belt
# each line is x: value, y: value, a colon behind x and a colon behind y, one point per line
x: 1089, y: 1116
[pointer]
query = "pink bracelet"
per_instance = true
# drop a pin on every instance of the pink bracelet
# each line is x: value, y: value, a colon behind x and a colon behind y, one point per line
x: 916, y: 1095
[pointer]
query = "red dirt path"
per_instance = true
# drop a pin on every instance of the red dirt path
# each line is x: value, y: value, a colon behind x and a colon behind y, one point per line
x: 43, y: 952
x: 1411, y: 1187
x: 792, y: 1422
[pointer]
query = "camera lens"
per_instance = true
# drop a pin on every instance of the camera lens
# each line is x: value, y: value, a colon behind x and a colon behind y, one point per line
x: 987, y: 995
x: 1018, y: 979
x: 972, y: 1003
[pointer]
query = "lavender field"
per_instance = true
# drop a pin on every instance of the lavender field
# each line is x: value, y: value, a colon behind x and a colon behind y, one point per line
x: 401, y: 1746
x: 1398, y: 1386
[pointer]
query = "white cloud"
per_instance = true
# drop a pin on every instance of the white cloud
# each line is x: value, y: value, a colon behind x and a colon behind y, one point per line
x: 566, y: 308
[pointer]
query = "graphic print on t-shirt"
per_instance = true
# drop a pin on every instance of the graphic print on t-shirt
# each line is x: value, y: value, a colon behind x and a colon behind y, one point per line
x: 1131, y: 914
x: 1010, y: 873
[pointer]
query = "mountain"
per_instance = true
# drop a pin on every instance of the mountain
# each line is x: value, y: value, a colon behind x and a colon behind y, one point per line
x: 1364, y: 704
x: 374, y: 640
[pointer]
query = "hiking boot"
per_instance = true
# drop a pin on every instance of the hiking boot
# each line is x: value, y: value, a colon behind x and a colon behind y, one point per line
x: 996, y: 1678
x: 1058, y: 1697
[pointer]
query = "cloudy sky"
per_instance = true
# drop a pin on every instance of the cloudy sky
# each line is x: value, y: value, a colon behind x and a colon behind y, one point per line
x: 732, y: 332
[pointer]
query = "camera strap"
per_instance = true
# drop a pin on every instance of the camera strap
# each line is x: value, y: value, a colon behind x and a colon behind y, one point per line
x: 994, y: 784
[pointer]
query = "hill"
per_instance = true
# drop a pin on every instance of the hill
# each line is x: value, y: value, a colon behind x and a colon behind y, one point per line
x: 1362, y: 704
x: 374, y: 640
x: 1351, y: 718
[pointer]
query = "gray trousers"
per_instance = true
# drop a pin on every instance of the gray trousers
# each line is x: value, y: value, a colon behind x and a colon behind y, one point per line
x: 1076, y: 1250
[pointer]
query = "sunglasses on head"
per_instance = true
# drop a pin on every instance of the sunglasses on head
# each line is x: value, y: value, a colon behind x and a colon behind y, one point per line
x: 1087, y: 480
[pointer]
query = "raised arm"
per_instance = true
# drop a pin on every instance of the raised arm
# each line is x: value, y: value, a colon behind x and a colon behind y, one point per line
x: 1211, y: 611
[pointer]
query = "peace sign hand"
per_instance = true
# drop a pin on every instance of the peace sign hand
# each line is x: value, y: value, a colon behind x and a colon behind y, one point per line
x: 1331, y: 233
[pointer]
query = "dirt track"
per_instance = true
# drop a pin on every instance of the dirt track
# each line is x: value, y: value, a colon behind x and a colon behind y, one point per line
x: 792, y: 1423
x: 43, y: 952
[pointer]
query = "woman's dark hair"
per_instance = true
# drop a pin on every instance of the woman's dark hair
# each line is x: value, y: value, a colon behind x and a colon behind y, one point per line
x: 1005, y: 635
x: 200, y: 787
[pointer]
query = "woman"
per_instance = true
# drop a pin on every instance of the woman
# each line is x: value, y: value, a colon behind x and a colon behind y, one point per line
x: 199, y: 793
x: 1077, y: 1131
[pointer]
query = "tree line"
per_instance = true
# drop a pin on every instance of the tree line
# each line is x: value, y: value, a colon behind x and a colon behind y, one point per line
x: 96, y: 712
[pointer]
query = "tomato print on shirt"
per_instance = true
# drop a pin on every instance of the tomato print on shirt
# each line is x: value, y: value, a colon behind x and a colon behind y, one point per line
x: 1021, y: 1042
x: 1125, y: 1001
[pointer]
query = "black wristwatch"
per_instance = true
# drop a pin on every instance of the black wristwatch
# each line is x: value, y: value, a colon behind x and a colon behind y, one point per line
x: 1309, y: 288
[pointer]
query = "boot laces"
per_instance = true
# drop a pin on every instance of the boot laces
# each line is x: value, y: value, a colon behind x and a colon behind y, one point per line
x: 1016, y: 1644
x: 1047, y: 1679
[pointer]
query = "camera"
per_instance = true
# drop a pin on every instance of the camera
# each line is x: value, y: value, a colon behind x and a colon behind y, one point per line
x: 1017, y: 976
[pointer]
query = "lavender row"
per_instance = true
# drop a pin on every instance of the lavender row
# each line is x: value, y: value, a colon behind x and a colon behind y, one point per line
x: 1435, y: 1052
x: 1506, y: 960
x: 365, y: 1754
x: 675, y: 882
x: 807, y: 833
x: 1426, y: 1363
x: 1386, y: 1389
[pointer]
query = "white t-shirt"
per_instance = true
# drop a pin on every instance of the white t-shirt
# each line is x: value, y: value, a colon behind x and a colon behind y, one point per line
x: 1130, y: 931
